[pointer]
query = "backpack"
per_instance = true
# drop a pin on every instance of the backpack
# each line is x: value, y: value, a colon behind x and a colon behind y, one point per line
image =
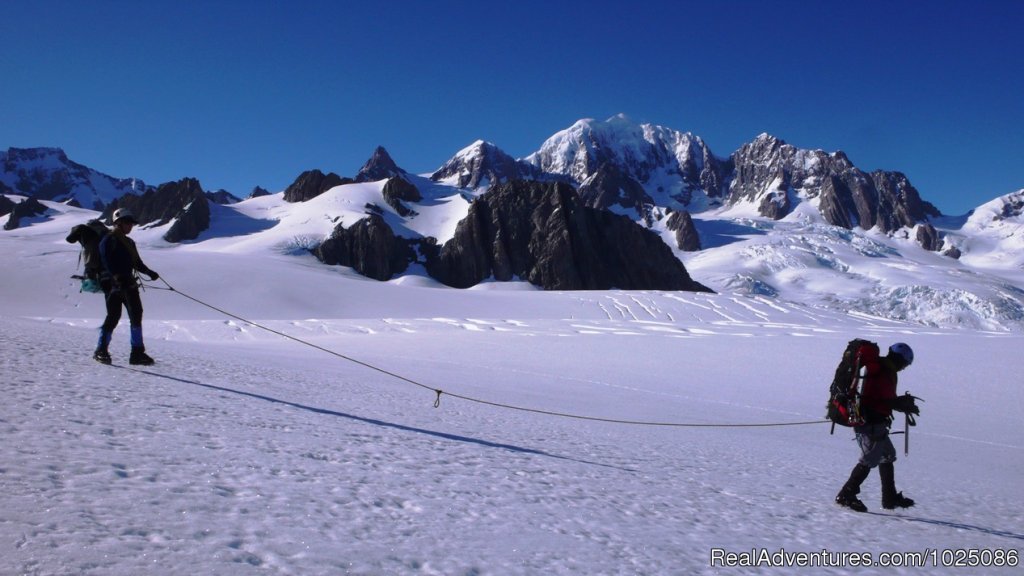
x: 844, y: 394
x: 89, y: 236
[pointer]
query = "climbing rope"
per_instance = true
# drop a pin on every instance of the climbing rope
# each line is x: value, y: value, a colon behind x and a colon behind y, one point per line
x: 439, y: 392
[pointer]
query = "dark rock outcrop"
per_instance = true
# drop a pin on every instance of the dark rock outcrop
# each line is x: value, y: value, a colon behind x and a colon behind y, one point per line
x: 687, y: 238
x: 311, y: 184
x: 259, y: 191
x: 380, y: 166
x: 183, y: 201
x: 610, y: 187
x: 899, y: 203
x: 25, y: 209
x: 398, y: 190
x: 222, y: 197
x: 369, y: 246
x: 928, y: 237
x: 6, y: 205
x: 542, y: 233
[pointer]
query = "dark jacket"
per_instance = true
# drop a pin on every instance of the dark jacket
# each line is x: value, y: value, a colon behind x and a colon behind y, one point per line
x: 121, y: 258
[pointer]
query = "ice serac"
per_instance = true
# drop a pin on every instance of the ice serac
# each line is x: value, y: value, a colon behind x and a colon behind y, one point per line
x: 48, y: 174
x: 482, y: 164
x: 542, y: 233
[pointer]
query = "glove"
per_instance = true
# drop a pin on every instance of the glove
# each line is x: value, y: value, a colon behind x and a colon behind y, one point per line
x: 153, y: 276
x: 905, y: 404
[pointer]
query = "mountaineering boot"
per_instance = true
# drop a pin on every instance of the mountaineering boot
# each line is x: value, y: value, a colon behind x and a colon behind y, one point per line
x: 847, y: 496
x: 891, y: 499
x: 139, y: 357
x: 101, y: 354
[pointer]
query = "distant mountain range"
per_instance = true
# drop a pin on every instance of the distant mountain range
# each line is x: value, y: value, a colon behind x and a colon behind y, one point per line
x: 579, y: 213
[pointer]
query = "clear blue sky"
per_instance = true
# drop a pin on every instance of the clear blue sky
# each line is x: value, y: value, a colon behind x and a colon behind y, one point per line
x: 246, y: 93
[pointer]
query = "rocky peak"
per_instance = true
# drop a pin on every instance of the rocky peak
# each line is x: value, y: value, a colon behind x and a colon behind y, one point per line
x: 542, y: 233
x: 482, y: 164
x: 674, y: 166
x: 380, y: 166
x: 775, y: 176
x: 258, y: 191
x: 311, y: 184
x: 182, y: 203
x: 222, y: 196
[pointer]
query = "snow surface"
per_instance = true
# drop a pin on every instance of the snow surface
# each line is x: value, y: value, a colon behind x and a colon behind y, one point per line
x: 242, y: 452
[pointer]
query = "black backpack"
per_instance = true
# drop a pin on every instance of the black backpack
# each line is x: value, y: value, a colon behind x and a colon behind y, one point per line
x: 89, y: 236
x: 844, y: 393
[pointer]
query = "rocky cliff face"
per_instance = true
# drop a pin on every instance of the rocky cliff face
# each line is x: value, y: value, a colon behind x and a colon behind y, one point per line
x: 311, y: 184
x: 369, y: 246
x: 183, y: 201
x: 397, y: 191
x: 25, y: 209
x: 609, y: 187
x: 542, y: 233
x: 687, y: 238
x: 775, y: 176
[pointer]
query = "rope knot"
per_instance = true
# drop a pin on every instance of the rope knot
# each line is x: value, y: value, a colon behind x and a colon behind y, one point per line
x: 437, y: 401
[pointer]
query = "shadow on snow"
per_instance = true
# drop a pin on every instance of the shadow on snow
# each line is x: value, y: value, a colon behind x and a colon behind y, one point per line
x: 376, y: 422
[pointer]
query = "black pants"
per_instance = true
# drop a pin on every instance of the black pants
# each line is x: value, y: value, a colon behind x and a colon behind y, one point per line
x: 130, y: 300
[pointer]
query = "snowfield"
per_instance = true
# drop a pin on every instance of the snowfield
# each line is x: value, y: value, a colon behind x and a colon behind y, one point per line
x: 244, y: 452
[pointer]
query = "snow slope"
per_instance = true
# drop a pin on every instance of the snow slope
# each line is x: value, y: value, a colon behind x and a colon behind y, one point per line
x: 242, y: 452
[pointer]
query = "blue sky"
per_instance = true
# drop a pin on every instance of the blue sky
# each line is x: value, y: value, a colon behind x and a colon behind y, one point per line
x: 246, y: 93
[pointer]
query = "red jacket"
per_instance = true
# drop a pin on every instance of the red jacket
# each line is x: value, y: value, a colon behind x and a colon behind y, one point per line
x: 879, y: 391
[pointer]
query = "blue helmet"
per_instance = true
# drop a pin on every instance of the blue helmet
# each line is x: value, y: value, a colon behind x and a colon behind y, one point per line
x: 903, y: 351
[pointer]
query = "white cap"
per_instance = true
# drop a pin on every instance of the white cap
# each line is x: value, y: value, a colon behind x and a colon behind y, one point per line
x: 124, y: 214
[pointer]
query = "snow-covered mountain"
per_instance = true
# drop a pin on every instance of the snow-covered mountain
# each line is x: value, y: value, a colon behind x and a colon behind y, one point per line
x: 795, y: 225
x: 48, y: 174
x: 482, y: 164
x: 992, y: 235
x: 677, y: 169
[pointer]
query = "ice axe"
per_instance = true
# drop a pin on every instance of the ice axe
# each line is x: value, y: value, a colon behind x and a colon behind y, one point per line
x: 908, y: 421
